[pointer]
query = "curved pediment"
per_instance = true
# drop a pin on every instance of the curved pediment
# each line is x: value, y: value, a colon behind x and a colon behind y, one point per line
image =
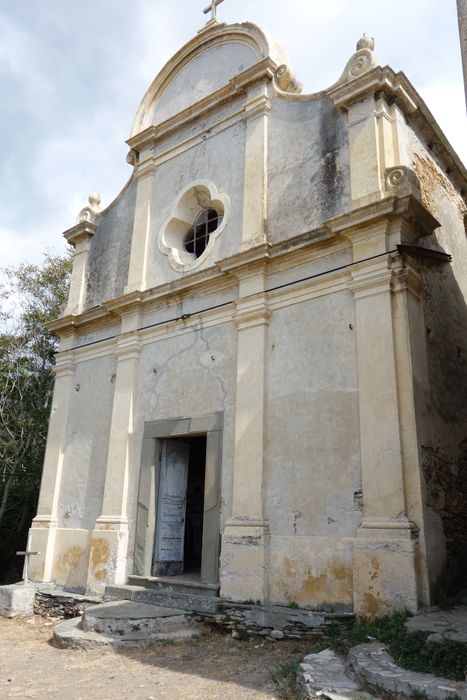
x: 201, y: 67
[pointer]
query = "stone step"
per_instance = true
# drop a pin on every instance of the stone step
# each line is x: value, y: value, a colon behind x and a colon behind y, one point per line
x: 125, y: 623
x: 324, y: 675
x: 164, y: 597
x: 372, y: 664
x: 175, y: 585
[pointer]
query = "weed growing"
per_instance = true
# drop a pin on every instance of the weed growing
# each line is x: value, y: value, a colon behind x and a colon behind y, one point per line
x: 409, y: 649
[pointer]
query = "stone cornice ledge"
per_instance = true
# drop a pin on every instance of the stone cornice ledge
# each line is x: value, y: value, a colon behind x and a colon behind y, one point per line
x: 82, y: 231
x: 263, y: 70
x: 72, y: 322
x: 224, y: 273
x: 408, y: 208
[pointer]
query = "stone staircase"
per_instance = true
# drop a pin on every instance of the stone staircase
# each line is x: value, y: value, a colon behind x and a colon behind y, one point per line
x: 124, y: 623
x: 190, y: 596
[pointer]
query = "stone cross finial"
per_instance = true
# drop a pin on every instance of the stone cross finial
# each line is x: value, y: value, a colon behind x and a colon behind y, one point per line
x: 212, y: 8
x: 366, y: 42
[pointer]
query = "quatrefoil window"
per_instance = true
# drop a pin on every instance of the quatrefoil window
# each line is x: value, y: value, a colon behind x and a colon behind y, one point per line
x: 199, y: 216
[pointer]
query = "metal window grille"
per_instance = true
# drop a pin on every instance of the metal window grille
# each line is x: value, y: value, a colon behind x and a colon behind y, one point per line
x: 197, y: 237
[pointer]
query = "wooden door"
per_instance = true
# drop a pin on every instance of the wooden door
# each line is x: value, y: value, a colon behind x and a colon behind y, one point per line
x: 171, y: 508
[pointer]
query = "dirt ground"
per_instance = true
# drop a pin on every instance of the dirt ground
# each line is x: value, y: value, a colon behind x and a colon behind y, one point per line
x: 212, y: 667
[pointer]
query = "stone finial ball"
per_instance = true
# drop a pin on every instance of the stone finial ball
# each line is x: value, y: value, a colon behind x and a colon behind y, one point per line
x: 94, y: 200
x: 366, y: 42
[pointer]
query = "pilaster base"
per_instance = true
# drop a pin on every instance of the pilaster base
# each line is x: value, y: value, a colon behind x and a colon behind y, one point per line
x: 244, y: 560
x: 42, y: 536
x: 384, y: 572
x: 108, y: 556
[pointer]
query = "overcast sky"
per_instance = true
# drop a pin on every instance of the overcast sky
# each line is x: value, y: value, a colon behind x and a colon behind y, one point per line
x: 72, y: 73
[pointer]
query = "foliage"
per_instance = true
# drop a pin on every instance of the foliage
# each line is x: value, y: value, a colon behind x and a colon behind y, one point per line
x: 31, y: 296
x: 285, y: 678
x: 409, y: 649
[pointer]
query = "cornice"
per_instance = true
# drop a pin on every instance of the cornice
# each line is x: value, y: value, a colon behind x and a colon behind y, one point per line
x: 92, y: 319
x: 84, y: 230
x: 263, y: 70
x: 408, y: 208
x: 378, y: 79
x: 223, y: 275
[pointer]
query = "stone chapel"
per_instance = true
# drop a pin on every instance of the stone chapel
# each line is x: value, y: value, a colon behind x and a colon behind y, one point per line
x: 261, y: 382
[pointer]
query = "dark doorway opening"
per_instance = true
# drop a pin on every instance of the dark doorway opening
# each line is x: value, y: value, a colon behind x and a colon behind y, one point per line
x: 195, y: 506
x: 180, y: 508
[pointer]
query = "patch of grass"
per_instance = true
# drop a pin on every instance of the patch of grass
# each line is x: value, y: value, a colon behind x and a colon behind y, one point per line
x: 242, y: 634
x: 285, y: 678
x: 409, y: 649
x: 293, y: 605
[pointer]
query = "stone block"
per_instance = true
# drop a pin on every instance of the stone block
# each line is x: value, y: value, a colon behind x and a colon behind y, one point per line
x: 16, y: 600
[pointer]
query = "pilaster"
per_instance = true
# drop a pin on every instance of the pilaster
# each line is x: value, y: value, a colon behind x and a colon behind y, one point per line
x: 257, y: 109
x: 245, y: 543
x: 386, y: 549
x: 44, y: 525
x: 108, y: 559
x: 375, y: 143
x: 79, y: 237
x: 137, y: 273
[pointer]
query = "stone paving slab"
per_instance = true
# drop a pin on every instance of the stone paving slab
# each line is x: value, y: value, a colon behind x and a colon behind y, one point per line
x: 372, y: 664
x: 445, y: 624
x: 70, y: 635
x: 323, y: 675
x: 128, y: 610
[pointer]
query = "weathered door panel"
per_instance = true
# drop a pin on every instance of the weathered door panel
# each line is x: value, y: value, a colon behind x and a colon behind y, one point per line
x: 171, y: 508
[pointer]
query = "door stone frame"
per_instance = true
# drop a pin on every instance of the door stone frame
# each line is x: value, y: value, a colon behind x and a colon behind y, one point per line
x: 146, y: 518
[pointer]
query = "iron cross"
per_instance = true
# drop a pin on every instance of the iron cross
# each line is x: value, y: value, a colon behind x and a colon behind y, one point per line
x: 212, y: 8
x: 26, y: 556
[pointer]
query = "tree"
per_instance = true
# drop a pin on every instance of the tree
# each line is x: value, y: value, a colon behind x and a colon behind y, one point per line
x: 31, y: 296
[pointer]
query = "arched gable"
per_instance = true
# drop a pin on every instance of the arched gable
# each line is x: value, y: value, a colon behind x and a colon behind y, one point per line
x: 203, y: 66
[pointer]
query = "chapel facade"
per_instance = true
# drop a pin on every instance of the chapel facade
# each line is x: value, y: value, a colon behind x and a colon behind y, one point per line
x: 263, y: 360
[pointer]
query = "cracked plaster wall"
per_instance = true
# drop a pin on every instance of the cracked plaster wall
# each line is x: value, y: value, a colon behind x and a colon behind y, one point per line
x: 87, y: 439
x: 308, y: 166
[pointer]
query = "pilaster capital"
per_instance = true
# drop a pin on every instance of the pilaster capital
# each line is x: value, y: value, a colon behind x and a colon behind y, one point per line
x: 145, y: 168
x: 79, y: 236
x: 251, y: 312
x: 128, y: 347
x: 257, y: 106
x: 407, y: 278
x: 240, y: 527
x: 112, y: 522
x: 42, y: 522
x: 64, y: 365
x: 369, y: 278
x: 388, y: 528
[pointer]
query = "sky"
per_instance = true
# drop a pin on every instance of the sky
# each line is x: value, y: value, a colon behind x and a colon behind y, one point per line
x: 72, y: 74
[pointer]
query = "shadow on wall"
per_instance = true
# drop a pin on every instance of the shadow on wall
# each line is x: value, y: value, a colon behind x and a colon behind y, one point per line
x: 445, y: 459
